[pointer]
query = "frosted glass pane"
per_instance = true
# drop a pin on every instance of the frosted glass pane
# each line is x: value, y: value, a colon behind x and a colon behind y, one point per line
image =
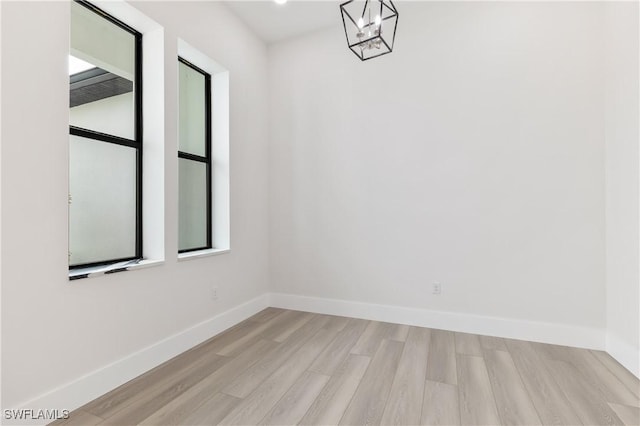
x: 102, y: 90
x: 96, y: 40
x: 102, y: 213
x: 192, y: 214
x: 112, y: 115
x: 191, y: 110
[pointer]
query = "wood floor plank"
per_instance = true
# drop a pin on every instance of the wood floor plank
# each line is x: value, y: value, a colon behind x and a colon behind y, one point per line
x: 285, y: 367
x: 245, y: 334
x: 475, y: 396
x: 337, y: 351
x: 601, y: 378
x: 267, y: 330
x: 336, y: 324
x: 512, y: 399
x: 368, y: 402
x: 550, y: 402
x: 212, y: 410
x: 625, y: 376
x: 467, y: 344
x: 266, y: 314
x: 440, y: 404
x: 442, y: 358
x: 630, y: 416
x: 594, y: 371
x: 399, y: 332
x: 259, y: 402
x: 295, y: 403
x: 330, y: 405
x: 291, y: 326
x: 404, y: 404
x: 371, y: 338
x: 251, y: 378
x: 492, y: 343
x: 191, y: 400
x: 166, y: 390
x: 78, y: 418
x: 115, y: 400
x: 553, y: 352
x: 587, y: 402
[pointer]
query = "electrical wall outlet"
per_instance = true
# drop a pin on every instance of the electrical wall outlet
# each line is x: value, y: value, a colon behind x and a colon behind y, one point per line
x: 214, y: 293
x: 436, y: 288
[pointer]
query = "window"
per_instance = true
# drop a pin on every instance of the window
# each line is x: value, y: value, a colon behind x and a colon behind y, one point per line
x: 194, y: 158
x: 105, y: 148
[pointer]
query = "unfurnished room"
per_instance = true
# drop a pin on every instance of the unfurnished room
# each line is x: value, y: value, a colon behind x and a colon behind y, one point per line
x: 364, y: 212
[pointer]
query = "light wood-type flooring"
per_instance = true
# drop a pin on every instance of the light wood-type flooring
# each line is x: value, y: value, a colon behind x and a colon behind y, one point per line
x: 286, y: 367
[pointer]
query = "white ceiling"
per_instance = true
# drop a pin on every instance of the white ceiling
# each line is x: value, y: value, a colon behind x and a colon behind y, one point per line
x: 274, y: 22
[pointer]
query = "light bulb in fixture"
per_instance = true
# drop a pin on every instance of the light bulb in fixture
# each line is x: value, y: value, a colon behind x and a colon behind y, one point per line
x: 280, y: 1
x: 378, y: 20
x: 360, y: 23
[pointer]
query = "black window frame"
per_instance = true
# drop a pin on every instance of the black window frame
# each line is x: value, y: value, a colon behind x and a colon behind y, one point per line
x: 135, y: 143
x: 206, y: 159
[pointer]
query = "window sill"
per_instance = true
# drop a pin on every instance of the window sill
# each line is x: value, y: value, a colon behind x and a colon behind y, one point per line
x: 201, y: 253
x: 96, y: 271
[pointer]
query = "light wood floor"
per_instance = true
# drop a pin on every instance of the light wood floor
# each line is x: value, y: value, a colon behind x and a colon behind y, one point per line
x: 287, y: 367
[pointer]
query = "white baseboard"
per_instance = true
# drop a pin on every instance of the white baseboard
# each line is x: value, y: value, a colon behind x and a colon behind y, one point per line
x: 86, y: 388
x: 560, y: 334
x: 624, y: 353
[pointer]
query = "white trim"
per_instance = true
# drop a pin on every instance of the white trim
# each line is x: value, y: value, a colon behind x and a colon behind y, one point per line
x: 146, y: 263
x: 200, y: 253
x: 561, y: 334
x: 153, y: 143
x: 624, y: 353
x: 128, y: 14
x: 90, y: 386
x: 128, y: 265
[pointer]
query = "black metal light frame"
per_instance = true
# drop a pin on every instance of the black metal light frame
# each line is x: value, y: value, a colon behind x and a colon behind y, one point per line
x: 135, y: 143
x: 385, y: 5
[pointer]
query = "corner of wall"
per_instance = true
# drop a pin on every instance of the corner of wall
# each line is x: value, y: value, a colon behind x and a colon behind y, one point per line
x: 625, y: 354
x: 86, y: 388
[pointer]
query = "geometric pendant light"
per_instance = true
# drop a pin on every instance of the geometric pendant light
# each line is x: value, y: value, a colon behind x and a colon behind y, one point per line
x: 370, y: 27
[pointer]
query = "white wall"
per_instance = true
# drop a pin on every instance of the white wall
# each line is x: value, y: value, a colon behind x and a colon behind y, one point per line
x: 53, y: 330
x: 622, y: 214
x: 472, y: 156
